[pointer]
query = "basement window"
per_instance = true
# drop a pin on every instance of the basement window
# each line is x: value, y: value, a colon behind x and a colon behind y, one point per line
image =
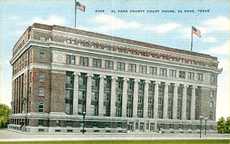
x: 41, y: 107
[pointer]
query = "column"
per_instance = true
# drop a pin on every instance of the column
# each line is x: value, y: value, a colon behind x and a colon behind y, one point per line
x: 124, y: 97
x: 175, y: 100
x: 101, y: 96
x: 19, y: 95
x: 135, y: 97
x: 114, y: 65
x: 113, y: 97
x: 193, y: 102
x: 103, y: 63
x: 165, y: 110
x: 75, y: 93
x: 146, y: 94
x: 13, y: 98
x: 137, y: 68
x: 16, y: 96
x: 22, y: 93
x: 18, y: 87
x: 77, y: 60
x: 184, y: 102
x: 156, y: 94
x: 90, y: 62
x: 89, y: 93
x: 126, y: 66
x: 149, y: 125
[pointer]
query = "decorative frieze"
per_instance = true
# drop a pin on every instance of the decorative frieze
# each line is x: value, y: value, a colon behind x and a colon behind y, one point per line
x: 163, y: 54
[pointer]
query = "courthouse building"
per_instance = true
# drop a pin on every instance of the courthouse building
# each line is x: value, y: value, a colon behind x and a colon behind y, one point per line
x: 121, y: 85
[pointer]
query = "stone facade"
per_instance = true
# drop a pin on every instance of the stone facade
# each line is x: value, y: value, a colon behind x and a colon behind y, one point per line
x: 57, y: 91
x: 122, y: 85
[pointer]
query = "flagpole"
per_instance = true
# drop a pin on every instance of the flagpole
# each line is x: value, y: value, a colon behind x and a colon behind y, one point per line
x: 191, y: 39
x: 75, y: 23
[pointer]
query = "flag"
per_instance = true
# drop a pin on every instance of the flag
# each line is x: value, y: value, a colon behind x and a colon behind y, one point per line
x: 196, y: 32
x: 80, y: 6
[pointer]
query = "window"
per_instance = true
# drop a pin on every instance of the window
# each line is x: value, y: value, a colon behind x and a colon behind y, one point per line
x: 82, y: 94
x: 130, y: 84
x: 143, y: 69
x: 68, y: 79
x: 213, y: 78
x: 42, y: 38
x: 31, y: 76
x: 97, y: 63
x: 211, y: 104
x: 67, y: 108
x: 70, y: 59
x: 120, y: 66
x: 211, y: 115
x: 108, y: 64
x: 120, y: 84
x: 69, y: 123
x: 41, y: 91
x: 153, y: 70
x: 42, y: 54
x: 191, y: 75
x: 182, y: 74
x: 132, y: 67
x: 41, y: 107
x: 29, y: 90
x: 172, y: 73
x: 163, y: 72
x: 84, y: 61
x: 41, y: 122
x: 68, y: 94
x: 200, y: 77
x: 212, y: 94
x: 41, y: 77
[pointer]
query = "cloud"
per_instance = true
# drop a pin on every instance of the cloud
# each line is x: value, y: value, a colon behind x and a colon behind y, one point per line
x: 209, y: 39
x: 14, y: 17
x: 165, y: 28
x: 84, y: 28
x: 217, y: 24
x: 52, y: 19
x: 107, y: 23
x: 223, y: 97
x: 222, y: 50
x: 5, y: 85
x: 111, y: 23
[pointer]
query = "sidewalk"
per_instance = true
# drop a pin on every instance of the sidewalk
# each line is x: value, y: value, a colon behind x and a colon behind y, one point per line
x: 6, y: 135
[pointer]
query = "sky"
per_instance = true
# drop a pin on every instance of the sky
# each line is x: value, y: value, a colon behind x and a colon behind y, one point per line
x: 168, y: 24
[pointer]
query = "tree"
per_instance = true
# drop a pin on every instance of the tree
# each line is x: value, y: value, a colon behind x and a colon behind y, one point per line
x: 4, y: 115
x: 221, y: 125
x: 227, y: 125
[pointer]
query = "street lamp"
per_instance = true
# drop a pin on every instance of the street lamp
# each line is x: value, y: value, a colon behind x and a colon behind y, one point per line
x: 205, y: 125
x: 201, y: 118
x: 83, y: 123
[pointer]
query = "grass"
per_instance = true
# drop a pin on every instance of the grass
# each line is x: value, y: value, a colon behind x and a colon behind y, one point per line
x: 128, y: 142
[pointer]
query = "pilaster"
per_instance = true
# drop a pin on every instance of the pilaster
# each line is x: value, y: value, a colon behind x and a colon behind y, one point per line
x: 89, y: 93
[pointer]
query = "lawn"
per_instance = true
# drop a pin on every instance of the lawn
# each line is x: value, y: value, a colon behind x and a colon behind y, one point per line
x: 128, y: 142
